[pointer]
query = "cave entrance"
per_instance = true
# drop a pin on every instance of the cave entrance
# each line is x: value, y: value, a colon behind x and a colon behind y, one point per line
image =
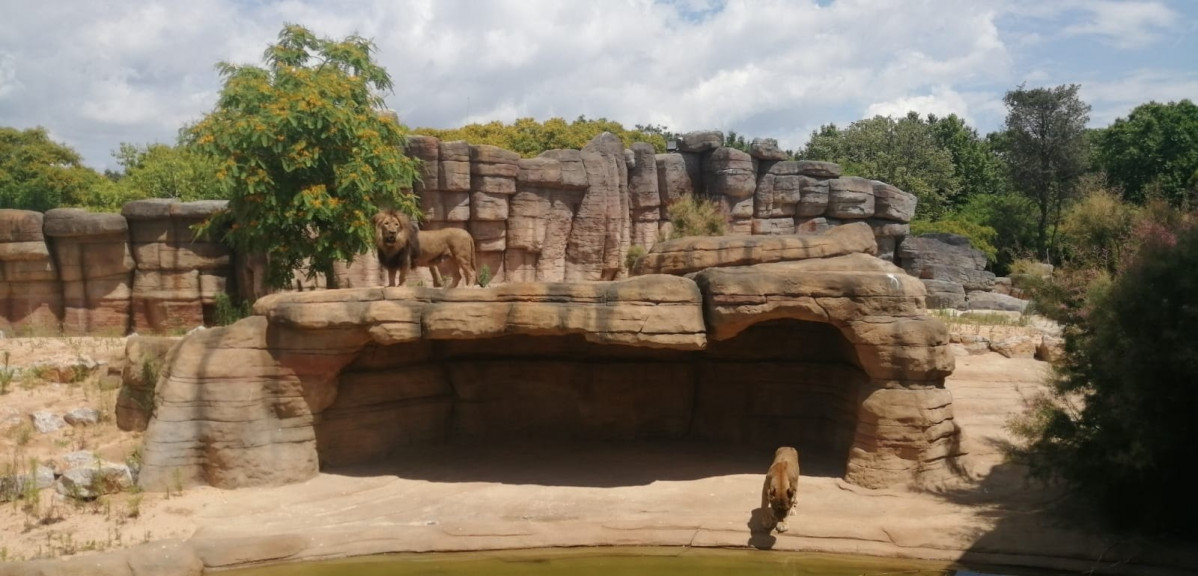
x: 779, y: 382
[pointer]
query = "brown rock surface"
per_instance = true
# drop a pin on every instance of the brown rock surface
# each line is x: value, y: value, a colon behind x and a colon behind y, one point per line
x: 686, y: 255
x: 95, y: 267
x: 30, y: 294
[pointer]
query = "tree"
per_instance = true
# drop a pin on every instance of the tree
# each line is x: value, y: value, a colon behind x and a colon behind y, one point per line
x: 1045, y: 151
x: 1120, y: 426
x: 529, y: 137
x: 37, y: 173
x: 1156, y: 146
x: 902, y: 152
x: 305, y: 153
x: 975, y: 165
x: 162, y: 171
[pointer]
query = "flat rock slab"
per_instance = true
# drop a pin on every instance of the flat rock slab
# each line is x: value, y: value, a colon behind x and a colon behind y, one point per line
x: 652, y: 311
x: 695, y: 253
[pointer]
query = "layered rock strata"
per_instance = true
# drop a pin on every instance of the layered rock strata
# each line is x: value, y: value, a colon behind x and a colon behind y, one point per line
x: 832, y: 351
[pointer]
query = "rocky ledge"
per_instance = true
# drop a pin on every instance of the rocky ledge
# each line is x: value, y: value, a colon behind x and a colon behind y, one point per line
x: 831, y: 350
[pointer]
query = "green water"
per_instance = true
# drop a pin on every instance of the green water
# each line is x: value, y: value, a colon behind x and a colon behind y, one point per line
x: 612, y: 562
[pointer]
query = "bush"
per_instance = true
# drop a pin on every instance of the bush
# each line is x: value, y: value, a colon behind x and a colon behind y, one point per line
x: 980, y: 236
x: 484, y: 275
x: 225, y: 311
x: 692, y: 216
x: 1096, y: 230
x: 634, y: 253
x: 1120, y: 426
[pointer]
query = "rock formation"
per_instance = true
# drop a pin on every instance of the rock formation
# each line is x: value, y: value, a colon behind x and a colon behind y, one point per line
x: 566, y: 215
x: 827, y: 347
x: 954, y: 273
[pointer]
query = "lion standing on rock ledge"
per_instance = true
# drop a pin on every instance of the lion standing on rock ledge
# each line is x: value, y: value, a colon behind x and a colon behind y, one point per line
x: 402, y: 246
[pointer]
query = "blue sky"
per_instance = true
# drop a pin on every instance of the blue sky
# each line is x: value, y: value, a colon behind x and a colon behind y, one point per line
x: 96, y: 74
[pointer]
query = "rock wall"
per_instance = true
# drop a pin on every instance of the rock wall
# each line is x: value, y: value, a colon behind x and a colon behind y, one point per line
x: 955, y: 275
x: 828, y: 347
x: 566, y: 215
x: 83, y: 272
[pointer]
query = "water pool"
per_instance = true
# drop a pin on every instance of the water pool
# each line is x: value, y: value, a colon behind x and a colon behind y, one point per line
x: 622, y: 562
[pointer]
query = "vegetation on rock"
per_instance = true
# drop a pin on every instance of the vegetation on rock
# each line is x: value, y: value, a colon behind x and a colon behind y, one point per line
x: 306, y: 154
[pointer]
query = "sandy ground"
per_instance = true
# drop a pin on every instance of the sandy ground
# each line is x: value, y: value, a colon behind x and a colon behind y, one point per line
x: 542, y: 495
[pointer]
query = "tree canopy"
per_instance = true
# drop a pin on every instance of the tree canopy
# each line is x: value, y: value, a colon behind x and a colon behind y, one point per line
x: 1154, y: 149
x: 163, y: 171
x: 903, y: 152
x: 306, y: 153
x: 37, y: 173
x: 1046, y: 151
x: 529, y: 137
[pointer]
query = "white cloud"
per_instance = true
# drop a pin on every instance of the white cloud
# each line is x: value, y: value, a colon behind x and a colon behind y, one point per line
x: 1125, y: 24
x: 99, y: 74
x: 1115, y: 98
x: 941, y: 102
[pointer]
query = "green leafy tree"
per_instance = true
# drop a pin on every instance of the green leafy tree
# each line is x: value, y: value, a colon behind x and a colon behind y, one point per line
x: 975, y: 165
x: 162, y: 171
x: 1120, y: 426
x: 1155, y: 147
x: 37, y: 173
x: 529, y: 137
x: 305, y: 153
x: 903, y: 152
x: 1046, y: 151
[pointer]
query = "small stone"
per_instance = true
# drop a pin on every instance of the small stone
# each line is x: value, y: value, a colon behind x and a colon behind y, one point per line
x: 89, y: 482
x: 47, y: 422
x: 82, y: 417
x: 1015, y: 347
x: 77, y: 459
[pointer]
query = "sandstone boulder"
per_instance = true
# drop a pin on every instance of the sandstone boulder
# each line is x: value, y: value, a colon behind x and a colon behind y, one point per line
x: 730, y: 173
x: 145, y: 361
x: 701, y: 141
x: 818, y: 169
x: 643, y: 193
x: 686, y: 255
x: 979, y: 300
x: 766, y: 149
x: 850, y: 197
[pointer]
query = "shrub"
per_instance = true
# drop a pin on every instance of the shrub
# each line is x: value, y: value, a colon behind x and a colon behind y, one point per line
x: 692, y: 216
x: 225, y: 312
x: 634, y: 254
x: 980, y: 236
x: 1119, y: 427
x: 1096, y: 230
x: 484, y: 275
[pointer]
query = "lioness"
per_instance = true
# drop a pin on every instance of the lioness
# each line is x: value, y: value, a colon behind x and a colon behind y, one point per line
x: 781, y: 481
x: 452, y: 243
x: 398, y: 244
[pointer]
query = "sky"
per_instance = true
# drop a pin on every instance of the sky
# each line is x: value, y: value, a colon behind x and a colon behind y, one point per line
x: 98, y: 73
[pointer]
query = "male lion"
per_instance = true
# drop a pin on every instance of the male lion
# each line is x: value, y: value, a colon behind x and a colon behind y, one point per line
x: 778, y: 494
x: 452, y: 243
x: 398, y: 244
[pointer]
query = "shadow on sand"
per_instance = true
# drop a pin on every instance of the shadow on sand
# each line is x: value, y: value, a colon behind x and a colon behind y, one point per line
x: 581, y: 463
x: 1034, y: 523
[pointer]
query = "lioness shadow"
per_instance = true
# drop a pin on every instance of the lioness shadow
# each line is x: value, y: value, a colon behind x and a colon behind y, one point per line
x: 761, y: 526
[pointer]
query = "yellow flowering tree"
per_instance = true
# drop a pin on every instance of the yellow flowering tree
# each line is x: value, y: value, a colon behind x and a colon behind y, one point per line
x: 306, y: 153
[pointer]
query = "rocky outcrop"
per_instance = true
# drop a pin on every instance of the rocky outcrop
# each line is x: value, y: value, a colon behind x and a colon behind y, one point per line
x: 95, y: 267
x: 955, y: 274
x: 145, y: 359
x: 178, y: 273
x: 686, y: 255
x: 566, y: 215
x: 30, y: 294
x: 334, y: 378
